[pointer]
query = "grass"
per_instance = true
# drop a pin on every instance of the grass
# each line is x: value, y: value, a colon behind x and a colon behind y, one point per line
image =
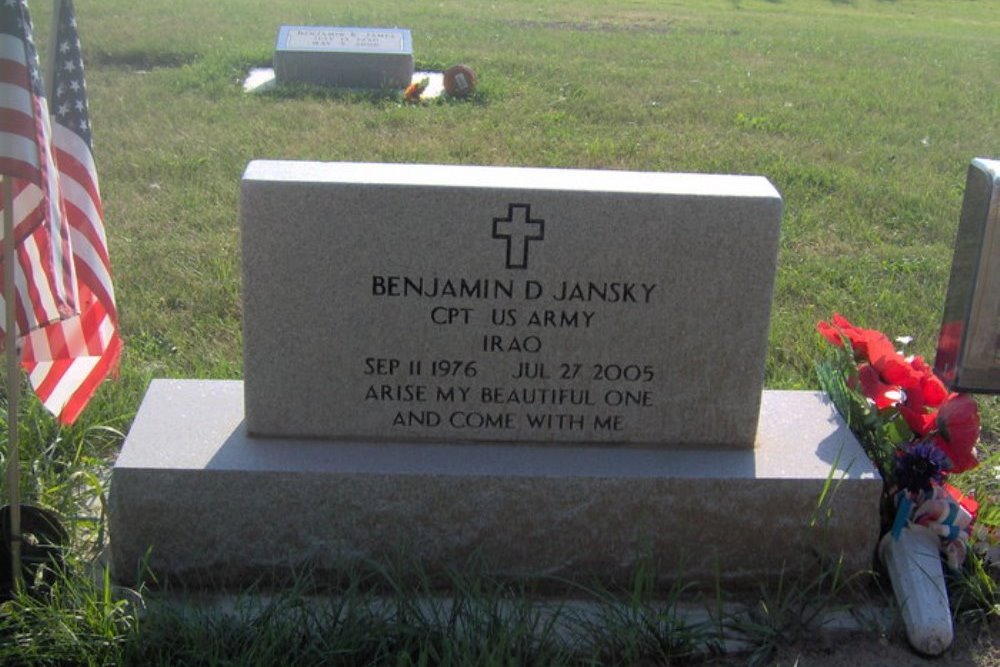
x: 373, y: 619
x: 864, y: 114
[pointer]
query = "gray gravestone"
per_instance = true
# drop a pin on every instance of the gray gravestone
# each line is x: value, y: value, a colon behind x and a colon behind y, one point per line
x: 968, y: 355
x: 416, y: 302
x: 479, y: 366
x: 344, y: 56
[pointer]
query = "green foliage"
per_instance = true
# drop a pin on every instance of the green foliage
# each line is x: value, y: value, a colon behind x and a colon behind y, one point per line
x: 642, y: 625
x: 793, y: 610
x: 383, y: 617
x: 975, y: 589
x: 876, y: 435
x: 79, y: 621
x: 974, y: 592
x: 64, y: 469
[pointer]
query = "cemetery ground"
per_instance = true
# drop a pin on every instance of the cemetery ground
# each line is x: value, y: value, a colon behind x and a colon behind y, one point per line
x: 863, y: 114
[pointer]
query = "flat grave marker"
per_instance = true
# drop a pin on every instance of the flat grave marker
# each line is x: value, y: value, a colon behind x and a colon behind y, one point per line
x: 344, y: 57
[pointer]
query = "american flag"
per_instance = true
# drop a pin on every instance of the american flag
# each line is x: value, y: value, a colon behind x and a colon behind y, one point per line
x: 68, y: 357
x: 44, y: 279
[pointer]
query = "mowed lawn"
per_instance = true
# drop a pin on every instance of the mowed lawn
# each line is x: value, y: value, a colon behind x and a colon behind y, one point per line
x: 865, y: 114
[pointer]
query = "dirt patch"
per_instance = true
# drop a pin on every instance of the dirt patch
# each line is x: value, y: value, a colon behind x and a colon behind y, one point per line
x: 971, y: 648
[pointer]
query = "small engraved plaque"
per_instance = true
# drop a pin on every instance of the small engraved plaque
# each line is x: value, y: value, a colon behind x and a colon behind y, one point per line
x: 340, y: 39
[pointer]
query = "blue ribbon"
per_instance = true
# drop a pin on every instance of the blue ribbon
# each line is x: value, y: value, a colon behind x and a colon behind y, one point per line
x: 953, y: 530
x: 902, y: 515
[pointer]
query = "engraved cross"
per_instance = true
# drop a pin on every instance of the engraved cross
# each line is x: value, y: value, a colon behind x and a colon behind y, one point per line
x: 518, y: 229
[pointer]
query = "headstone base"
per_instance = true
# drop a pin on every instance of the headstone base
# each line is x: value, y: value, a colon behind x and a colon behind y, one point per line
x: 198, y: 502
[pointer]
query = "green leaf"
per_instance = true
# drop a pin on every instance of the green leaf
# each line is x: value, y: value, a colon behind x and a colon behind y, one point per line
x: 989, y: 515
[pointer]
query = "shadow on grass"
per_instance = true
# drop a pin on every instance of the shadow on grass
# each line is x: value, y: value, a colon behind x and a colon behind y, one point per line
x: 140, y: 60
x: 388, y: 613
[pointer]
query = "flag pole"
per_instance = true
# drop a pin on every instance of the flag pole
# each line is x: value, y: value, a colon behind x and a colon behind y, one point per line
x: 50, y: 71
x: 13, y: 386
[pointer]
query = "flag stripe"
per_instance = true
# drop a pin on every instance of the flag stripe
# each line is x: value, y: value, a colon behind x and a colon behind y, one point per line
x: 14, y: 97
x: 104, y: 366
x: 33, y: 284
x: 64, y: 378
x: 96, y: 286
x: 78, y: 187
x: 27, y: 201
x: 16, y: 127
x: 21, y: 153
x: 12, y: 48
x: 75, y: 159
x: 72, y: 144
x: 13, y: 74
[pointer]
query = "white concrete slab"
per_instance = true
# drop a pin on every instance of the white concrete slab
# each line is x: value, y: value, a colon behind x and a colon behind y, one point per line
x: 262, y: 79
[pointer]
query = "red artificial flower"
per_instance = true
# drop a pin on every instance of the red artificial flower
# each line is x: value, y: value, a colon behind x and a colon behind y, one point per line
x: 931, y: 387
x: 868, y: 344
x: 882, y: 394
x: 894, y: 369
x: 921, y: 421
x: 412, y: 92
x: 415, y: 90
x: 958, y: 431
x: 924, y: 393
x: 889, y: 379
x: 830, y: 332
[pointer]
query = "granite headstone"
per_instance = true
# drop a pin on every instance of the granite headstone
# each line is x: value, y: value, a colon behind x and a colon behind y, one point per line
x: 968, y: 355
x: 531, y: 372
x: 438, y: 303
